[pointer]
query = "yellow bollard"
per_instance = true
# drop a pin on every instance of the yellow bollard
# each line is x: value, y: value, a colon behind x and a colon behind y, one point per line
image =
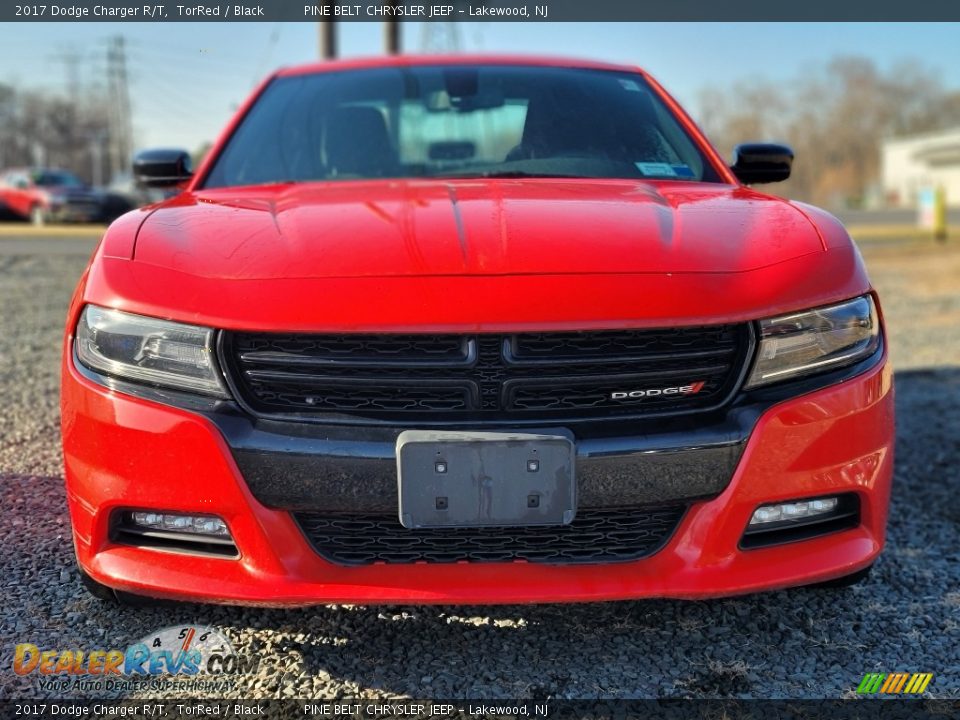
x: 940, y: 213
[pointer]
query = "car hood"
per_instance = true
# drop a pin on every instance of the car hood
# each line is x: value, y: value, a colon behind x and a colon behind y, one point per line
x: 473, y: 227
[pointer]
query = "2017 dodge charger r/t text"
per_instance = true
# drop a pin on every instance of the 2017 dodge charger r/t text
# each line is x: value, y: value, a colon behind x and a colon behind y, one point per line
x: 472, y: 330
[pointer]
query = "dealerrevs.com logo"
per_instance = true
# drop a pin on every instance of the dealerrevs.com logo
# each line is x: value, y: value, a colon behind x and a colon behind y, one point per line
x: 690, y: 389
x: 166, y: 658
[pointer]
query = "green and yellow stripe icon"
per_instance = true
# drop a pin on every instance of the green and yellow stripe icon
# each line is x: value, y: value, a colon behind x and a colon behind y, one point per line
x: 894, y: 683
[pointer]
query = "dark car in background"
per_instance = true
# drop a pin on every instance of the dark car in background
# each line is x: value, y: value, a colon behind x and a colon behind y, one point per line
x: 51, y: 195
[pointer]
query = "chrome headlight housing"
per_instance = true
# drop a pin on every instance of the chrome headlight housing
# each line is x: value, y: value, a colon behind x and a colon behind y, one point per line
x: 149, y: 351
x: 813, y: 341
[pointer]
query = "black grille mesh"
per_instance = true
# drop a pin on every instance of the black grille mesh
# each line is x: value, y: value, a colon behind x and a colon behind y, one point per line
x: 596, y: 535
x: 484, y: 377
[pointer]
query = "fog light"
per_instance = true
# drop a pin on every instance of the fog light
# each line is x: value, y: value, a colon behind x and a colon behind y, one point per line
x: 793, y: 511
x: 800, y: 520
x: 196, y: 524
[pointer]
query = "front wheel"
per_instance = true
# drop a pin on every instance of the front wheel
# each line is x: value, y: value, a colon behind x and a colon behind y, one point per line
x: 845, y: 581
x: 109, y: 595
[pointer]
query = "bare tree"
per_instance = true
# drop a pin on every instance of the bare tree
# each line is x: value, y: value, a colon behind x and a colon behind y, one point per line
x: 39, y: 127
x: 836, y: 117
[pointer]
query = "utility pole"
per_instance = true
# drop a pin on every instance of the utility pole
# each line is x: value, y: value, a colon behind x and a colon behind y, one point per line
x: 440, y: 37
x: 38, y: 153
x: 327, y: 33
x: 328, y: 40
x: 391, y: 30
x: 68, y: 146
x: 445, y: 37
x: 120, y: 122
x: 96, y: 157
x: 71, y: 59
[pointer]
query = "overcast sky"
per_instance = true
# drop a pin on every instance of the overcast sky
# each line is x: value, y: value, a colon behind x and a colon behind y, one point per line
x: 187, y: 78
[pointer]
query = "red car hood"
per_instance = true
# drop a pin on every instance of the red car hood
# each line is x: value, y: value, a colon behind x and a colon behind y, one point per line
x: 473, y: 227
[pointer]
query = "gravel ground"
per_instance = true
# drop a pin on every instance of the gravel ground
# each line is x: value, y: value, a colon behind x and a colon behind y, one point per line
x: 800, y: 643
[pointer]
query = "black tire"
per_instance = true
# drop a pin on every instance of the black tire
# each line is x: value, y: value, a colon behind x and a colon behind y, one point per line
x: 845, y: 581
x: 117, y: 597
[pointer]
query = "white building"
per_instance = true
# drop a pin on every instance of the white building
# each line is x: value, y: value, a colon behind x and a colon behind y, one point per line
x: 913, y: 163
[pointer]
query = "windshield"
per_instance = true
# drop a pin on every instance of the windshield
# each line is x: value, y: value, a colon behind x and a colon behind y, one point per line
x: 458, y: 121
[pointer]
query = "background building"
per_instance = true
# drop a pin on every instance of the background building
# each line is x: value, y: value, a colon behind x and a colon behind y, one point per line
x: 911, y: 164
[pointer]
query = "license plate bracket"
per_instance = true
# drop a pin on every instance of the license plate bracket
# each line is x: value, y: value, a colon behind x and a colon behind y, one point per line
x: 485, y: 479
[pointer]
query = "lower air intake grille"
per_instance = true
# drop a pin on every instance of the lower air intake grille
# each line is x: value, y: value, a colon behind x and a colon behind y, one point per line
x: 596, y: 535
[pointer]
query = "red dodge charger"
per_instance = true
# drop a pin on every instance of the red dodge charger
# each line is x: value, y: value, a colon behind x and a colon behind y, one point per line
x: 473, y: 330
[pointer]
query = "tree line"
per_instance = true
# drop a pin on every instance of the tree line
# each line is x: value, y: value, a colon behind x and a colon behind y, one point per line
x: 836, y: 117
x: 39, y: 127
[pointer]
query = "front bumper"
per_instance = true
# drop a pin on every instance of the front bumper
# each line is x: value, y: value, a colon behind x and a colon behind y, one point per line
x: 126, y: 452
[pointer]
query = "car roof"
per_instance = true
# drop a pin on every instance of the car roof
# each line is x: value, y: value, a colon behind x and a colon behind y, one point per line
x: 458, y: 59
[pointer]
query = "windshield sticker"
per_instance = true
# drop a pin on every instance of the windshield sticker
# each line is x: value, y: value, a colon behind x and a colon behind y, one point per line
x: 683, y: 171
x: 656, y: 169
x: 630, y: 85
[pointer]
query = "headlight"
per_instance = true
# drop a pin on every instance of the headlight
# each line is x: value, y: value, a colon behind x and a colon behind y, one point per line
x: 813, y: 341
x: 147, y: 350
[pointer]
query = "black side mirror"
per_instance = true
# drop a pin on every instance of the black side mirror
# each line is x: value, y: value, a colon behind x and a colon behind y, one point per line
x: 761, y: 162
x: 162, y: 168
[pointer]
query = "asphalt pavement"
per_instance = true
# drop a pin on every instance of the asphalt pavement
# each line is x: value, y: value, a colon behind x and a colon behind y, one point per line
x: 806, y: 643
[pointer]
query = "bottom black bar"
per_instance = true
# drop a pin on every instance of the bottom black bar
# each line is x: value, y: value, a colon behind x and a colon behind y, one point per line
x: 862, y: 708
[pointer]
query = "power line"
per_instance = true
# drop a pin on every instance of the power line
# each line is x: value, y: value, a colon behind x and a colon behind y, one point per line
x: 440, y: 37
x: 71, y: 59
x: 268, y: 52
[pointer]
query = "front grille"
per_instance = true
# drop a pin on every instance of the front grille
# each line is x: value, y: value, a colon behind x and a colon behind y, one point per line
x: 596, y: 535
x: 485, y: 377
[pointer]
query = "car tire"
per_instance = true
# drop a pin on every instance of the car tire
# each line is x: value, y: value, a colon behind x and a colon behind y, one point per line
x: 38, y: 216
x: 846, y: 580
x: 117, y: 597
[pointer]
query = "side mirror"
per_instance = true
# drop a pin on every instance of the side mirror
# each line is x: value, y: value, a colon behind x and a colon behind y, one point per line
x: 162, y: 168
x: 762, y: 162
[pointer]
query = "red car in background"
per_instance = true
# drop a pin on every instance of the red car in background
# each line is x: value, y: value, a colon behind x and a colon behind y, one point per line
x: 473, y: 330
x: 50, y: 195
